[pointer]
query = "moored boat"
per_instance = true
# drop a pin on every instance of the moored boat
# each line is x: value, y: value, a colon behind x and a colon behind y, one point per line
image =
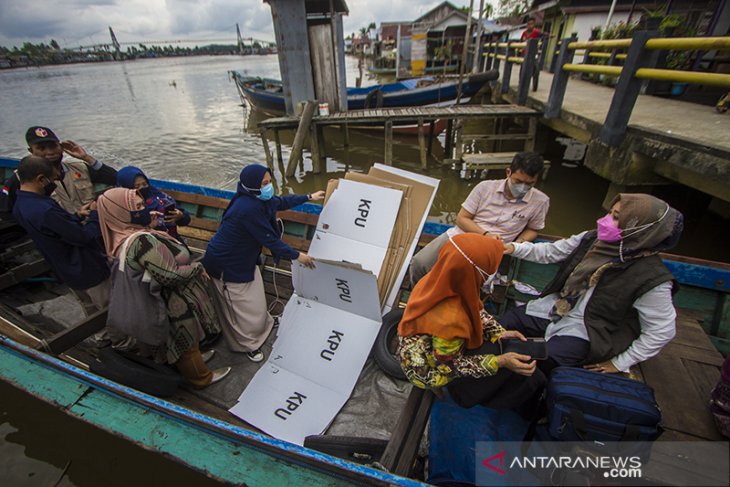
x: 233, y: 452
x: 267, y: 95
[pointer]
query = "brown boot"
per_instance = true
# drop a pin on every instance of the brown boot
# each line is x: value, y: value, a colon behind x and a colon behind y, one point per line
x: 193, y: 368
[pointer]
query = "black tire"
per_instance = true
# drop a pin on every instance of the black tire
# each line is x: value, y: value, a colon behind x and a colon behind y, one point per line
x: 374, y: 99
x: 490, y: 75
x: 386, y: 343
x: 137, y: 372
x: 361, y: 450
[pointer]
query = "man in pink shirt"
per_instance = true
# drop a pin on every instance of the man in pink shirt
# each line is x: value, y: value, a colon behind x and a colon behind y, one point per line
x: 510, y: 209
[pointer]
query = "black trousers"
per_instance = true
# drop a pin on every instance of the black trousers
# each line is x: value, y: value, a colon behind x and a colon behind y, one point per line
x: 505, y: 390
x: 562, y: 350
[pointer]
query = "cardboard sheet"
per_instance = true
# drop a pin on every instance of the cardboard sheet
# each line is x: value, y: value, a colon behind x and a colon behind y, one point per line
x: 361, y: 212
x: 325, y: 336
x: 421, y: 197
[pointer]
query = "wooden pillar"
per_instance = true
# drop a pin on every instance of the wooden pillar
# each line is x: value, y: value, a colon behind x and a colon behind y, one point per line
x: 528, y: 67
x: 544, y: 42
x: 422, y: 144
x: 277, y: 141
x: 267, y: 150
x: 458, y: 147
x: 315, y: 149
x: 532, y: 134
x: 507, y: 73
x: 449, y: 139
x: 431, y: 136
x: 296, y: 150
x: 560, y: 80
x: 627, y: 89
x: 388, y: 157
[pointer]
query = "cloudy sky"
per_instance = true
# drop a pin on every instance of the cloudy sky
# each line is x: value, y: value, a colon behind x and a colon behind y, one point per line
x: 79, y: 22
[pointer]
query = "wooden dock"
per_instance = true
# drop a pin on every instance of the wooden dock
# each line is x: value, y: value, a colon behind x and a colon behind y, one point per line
x: 422, y: 117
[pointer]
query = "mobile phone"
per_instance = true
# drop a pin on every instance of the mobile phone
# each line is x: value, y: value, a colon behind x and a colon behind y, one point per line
x: 169, y: 209
x: 536, y: 348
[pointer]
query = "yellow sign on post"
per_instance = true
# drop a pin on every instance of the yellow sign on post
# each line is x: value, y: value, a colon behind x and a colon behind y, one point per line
x: 418, y: 53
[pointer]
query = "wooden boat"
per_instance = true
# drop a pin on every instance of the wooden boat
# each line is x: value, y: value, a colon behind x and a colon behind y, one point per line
x: 40, y: 356
x: 449, y: 68
x: 266, y: 95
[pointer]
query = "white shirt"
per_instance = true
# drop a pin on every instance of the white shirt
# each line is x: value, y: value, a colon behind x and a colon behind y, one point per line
x: 657, y: 316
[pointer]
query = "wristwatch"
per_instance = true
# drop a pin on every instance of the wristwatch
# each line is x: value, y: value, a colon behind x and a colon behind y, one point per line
x: 309, y: 196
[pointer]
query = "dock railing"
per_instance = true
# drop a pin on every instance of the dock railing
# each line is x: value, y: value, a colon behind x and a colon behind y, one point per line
x: 529, y: 54
x: 638, y: 66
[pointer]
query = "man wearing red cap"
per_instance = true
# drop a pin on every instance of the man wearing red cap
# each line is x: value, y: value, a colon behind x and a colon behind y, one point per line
x: 75, y: 190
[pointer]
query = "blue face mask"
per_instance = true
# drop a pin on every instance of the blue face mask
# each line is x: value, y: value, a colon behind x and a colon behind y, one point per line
x: 266, y: 192
x: 140, y: 217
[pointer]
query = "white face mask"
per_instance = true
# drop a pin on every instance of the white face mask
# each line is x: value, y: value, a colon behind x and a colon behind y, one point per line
x: 485, y: 275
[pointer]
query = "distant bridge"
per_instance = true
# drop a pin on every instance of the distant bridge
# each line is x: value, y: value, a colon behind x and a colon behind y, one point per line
x: 230, y: 40
x: 241, y: 42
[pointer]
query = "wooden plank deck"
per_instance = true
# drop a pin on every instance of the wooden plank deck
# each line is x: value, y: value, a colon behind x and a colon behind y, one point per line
x: 408, y: 114
x: 682, y: 375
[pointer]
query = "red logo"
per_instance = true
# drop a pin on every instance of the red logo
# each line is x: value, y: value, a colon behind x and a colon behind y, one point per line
x: 488, y: 463
x: 40, y: 132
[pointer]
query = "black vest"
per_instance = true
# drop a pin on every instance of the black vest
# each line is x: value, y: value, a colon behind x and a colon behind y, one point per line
x: 610, y: 318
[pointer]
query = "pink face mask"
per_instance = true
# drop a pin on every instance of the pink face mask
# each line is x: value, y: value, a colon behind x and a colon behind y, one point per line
x: 608, y: 230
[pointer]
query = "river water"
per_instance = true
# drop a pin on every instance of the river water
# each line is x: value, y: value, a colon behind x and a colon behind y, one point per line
x: 181, y: 119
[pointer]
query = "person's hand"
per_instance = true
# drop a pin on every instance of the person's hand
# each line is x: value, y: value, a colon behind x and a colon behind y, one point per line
x: 93, y: 205
x: 509, y: 334
x: 517, y: 363
x: 509, y: 248
x: 319, y: 195
x: 606, y: 367
x: 306, y: 260
x: 495, y: 236
x: 85, y: 210
x: 75, y: 150
x: 173, y: 216
x: 155, y: 218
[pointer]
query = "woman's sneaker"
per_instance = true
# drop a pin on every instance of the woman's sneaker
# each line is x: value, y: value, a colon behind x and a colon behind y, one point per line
x: 255, y: 356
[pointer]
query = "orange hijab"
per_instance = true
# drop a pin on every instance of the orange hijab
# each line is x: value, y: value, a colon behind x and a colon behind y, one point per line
x: 445, y: 303
x: 114, y: 208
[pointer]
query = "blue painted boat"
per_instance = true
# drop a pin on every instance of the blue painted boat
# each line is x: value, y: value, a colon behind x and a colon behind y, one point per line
x: 267, y: 95
x: 199, y: 433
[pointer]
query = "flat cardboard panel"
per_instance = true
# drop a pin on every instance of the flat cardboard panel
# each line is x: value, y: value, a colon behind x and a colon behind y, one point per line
x: 326, y: 345
x: 318, y: 355
x: 334, y: 247
x: 286, y: 405
x: 361, y: 212
x: 343, y: 287
x: 422, y: 195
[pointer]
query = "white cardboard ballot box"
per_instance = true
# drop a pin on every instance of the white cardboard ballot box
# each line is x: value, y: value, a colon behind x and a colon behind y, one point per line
x: 325, y: 336
x: 356, y: 225
x: 331, y: 321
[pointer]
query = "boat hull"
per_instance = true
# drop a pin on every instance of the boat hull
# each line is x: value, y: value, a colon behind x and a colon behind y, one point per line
x: 260, y: 95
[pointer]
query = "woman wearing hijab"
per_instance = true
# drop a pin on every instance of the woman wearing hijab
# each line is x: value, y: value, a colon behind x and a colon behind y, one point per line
x: 189, y: 309
x: 445, y: 335
x: 248, y: 224
x: 610, y: 304
x: 172, y: 216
